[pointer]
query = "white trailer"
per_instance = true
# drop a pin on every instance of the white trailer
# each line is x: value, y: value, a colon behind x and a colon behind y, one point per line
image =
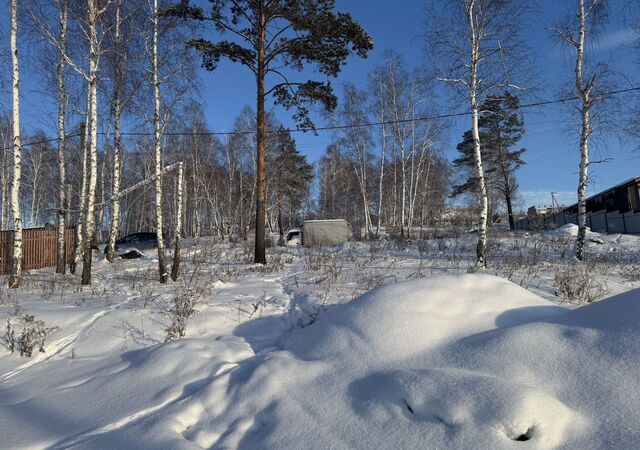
x: 319, y: 232
x: 325, y: 232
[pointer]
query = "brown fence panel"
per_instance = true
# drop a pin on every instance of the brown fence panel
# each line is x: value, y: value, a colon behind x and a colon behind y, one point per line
x: 39, y: 248
x: 6, y: 242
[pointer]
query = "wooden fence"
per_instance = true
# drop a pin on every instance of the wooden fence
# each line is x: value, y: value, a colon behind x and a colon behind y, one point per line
x: 39, y: 248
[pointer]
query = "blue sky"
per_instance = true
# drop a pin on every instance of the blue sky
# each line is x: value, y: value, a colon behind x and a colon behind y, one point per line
x: 552, y: 157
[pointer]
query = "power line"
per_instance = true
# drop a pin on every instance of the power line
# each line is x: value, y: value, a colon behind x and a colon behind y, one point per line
x: 43, y: 141
x: 341, y: 127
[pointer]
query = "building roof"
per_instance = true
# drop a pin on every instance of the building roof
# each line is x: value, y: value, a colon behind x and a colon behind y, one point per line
x: 606, y: 191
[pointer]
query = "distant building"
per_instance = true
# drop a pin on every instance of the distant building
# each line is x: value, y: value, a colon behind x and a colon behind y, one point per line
x: 535, y: 212
x: 623, y: 198
x: 615, y: 210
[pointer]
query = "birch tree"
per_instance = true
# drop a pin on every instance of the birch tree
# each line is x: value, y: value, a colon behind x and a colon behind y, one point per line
x: 477, y: 49
x: 175, y: 268
x: 379, y: 107
x: 584, y: 21
x: 94, y: 13
x: 62, y: 104
x: 16, y: 269
x: 5, y: 144
x: 357, y: 143
x: 157, y: 146
x: 117, y: 139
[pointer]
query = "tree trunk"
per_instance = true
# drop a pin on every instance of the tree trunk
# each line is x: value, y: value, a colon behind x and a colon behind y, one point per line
x: 4, y: 188
x: 280, y: 223
x: 481, y: 248
x: 93, y: 146
x: 16, y: 270
x: 381, y: 182
x: 584, y: 93
x: 196, y: 203
x: 61, y: 254
x: 261, y: 184
x: 158, y: 148
x: 507, y: 198
x: 117, y: 158
x: 175, y: 268
x: 84, y: 144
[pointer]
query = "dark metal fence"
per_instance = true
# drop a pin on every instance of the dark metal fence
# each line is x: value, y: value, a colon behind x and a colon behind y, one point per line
x: 601, y: 221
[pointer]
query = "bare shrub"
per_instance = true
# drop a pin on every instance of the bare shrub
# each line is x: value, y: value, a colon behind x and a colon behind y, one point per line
x: 631, y: 273
x: 25, y: 332
x: 315, y: 260
x: 259, y: 305
x: 183, y: 309
x: 579, y: 284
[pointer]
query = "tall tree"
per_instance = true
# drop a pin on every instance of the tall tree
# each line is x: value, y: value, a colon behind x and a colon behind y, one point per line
x: 175, y: 267
x: 62, y: 104
x: 584, y: 21
x: 478, y: 47
x: 16, y: 270
x: 118, y: 82
x: 5, y: 139
x: 157, y: 146
x: 94, y: 13
x: 501, y: 127
x: 291, y: 176
x: 357, y: 144
x: 271, y: 36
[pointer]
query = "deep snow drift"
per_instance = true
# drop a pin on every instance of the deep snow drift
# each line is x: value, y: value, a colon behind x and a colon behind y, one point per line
x: 471, y: 361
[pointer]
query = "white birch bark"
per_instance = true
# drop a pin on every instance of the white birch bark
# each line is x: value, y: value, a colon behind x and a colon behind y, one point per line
x: 175, y: 269
x: 584, y: 89
x: 585, y: 110
x: 196, y: 207
x: 93, y: 146
x: 381, y: 180
x: 157, y: 146
x: 16, y: 270
x: 117, y: 158
x: 196, y: 195
x: 62, y: 179
x: 4, y: 191
x: 481, y: 248
x: 80, y: 225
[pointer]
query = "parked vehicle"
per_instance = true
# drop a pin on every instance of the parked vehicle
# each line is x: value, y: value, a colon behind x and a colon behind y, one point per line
x: 319, y: 232
x: 294, y: 238
x: 135, y: 243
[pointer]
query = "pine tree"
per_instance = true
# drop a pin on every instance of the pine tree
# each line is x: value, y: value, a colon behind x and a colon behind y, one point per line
x: 291, y: 175
x: 501, y: 128
x: 272, y: 38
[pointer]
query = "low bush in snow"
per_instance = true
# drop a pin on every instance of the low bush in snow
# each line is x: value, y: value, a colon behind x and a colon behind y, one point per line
x: 183, y: 309
x: 631, y: 273
x: 24, y: 333
x: 579, y: 284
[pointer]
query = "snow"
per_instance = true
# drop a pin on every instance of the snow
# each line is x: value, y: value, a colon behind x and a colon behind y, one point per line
x: 570, y: 230
x: 309, y: 354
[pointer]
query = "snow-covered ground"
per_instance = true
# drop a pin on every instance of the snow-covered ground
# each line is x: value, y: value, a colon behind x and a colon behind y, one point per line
x: 367, y: 345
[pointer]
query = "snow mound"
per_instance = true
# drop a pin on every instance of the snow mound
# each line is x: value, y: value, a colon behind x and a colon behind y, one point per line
x: 446, y: 362
x: 569, y: 230
x: 471, y: 361
x: 621, y: 241
x: 405, y: 319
